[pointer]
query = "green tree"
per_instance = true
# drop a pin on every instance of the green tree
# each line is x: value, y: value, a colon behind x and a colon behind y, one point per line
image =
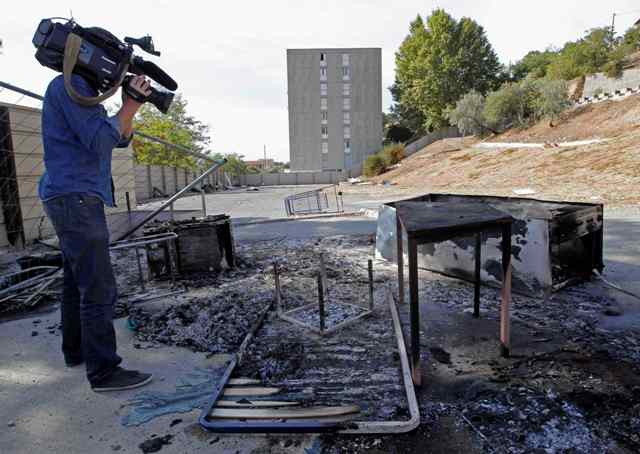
x: 534, y: 64
x: 436, y: 64
x: 177, y: 127
x: 585, y: 56
x: 235, y: 165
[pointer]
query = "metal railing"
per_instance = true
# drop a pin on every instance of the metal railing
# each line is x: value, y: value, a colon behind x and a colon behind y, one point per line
x: 317, y: 201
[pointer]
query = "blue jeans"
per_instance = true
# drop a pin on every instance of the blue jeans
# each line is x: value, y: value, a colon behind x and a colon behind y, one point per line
x: 89, y: 292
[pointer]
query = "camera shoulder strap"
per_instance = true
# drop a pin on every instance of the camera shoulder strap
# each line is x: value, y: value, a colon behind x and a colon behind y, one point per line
x: 71, y: 52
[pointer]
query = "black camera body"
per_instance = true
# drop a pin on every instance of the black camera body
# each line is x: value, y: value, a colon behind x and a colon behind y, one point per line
x: 103, y: 60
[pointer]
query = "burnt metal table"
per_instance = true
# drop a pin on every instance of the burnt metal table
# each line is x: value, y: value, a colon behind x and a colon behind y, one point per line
x: 425, y: 223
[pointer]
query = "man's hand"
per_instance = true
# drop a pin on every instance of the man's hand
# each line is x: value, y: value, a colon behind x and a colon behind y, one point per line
x: 130, y: 106
x: 141, y: 85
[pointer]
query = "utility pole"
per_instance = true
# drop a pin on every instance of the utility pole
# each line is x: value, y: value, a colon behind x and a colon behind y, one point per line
x: 264, y: 163
x: 613, y: 25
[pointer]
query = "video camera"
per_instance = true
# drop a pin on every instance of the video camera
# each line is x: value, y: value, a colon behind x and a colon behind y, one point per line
x: 102, y: 59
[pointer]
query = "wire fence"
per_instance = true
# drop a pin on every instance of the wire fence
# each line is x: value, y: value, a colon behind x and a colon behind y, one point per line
x: 22, y: 218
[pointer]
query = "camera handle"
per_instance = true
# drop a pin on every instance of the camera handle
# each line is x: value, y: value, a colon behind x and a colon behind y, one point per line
x: 71, y: 52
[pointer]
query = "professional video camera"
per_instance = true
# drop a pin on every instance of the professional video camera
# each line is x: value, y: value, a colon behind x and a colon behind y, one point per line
x: 102, y: 59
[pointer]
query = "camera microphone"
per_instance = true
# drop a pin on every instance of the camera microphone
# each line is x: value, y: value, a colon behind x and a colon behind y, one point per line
x: 154, y: 72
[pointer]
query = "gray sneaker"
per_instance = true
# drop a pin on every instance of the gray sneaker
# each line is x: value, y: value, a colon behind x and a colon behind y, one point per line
x: 122, y: 379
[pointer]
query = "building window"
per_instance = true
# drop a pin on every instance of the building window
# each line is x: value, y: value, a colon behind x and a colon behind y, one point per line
x: 323, y: 89
x: 345, y: 59
x: 346, y: 89
x: 346, y: 118
x: 346, y: 103
x: 323, y: 58
x: 325, y: 161
x: 325, y: 147
x: 323, y: 73
x: 324, y: 131
x: 324, y: 116
x: 346, y: 73
x: 347, y: 146
x: 347, y: 132
x: 323, y: 103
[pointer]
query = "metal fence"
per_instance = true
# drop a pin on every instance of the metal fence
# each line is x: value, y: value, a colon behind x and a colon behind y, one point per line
x: 22, y: 218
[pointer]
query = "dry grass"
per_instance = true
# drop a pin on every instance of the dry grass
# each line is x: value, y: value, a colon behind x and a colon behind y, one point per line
x: 606, y: 172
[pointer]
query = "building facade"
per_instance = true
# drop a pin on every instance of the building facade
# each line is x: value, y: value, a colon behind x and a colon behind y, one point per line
x: 335, y: 107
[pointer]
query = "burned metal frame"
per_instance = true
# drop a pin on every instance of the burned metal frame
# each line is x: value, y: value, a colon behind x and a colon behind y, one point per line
x: 456, y: 227
x: 270, y: 426
x: 323, y: 297
x: 315, y: 425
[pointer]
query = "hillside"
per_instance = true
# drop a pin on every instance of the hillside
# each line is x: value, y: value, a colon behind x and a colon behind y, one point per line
x: 606, y: 172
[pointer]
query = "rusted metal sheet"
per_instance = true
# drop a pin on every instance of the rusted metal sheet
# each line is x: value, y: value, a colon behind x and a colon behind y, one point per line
x: 554, y: 243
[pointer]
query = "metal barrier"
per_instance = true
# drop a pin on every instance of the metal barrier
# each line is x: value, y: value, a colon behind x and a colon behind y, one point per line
x: 314, y: 202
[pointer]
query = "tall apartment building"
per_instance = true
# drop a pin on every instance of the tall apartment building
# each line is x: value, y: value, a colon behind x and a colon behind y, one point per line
x: 335, y: 107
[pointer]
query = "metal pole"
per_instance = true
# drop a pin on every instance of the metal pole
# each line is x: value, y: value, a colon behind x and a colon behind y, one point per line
x: 323, y: 274
x: 505, y: 327
x: 173, y: 198
x: 204, y: 200
x: 414, y: 309
x: 476, y: 290
x: 370, y: 263
x: 400, y: 255
x: 140, y: 273
x: 126, y: 194
x: 276, y: 278
x: 321, y: 302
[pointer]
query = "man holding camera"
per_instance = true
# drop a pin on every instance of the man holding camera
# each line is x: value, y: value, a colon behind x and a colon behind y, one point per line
x: 78, y: 142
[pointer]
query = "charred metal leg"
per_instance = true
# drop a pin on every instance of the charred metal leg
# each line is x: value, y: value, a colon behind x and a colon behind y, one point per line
x: 400, y: 262
x: 321, y: 302
x: 476, y: 294
x: 370, y: 267
x: 416, y: 372
x: 276, y: 278
x: 505, y: 334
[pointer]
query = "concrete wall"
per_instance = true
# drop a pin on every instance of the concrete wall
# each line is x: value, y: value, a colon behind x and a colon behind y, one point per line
x: 601, y: 83
x: 293, y: 178
x: 434, y: 136
x: 28, y: 156
x: 305, y: 107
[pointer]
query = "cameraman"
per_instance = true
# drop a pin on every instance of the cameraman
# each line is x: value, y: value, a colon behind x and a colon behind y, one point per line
x: 78, y: 142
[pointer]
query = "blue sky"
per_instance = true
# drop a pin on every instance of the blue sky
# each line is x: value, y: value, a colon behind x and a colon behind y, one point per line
x: 230, y: 57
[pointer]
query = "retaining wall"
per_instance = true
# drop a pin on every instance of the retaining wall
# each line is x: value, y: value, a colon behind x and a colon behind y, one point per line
x: 434, y: 136
x: 599, y: 82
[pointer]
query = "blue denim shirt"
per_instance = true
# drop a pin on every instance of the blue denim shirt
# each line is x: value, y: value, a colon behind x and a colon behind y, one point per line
x: 78, y: 142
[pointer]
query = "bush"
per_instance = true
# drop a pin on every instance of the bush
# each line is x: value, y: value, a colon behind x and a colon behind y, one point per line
x: 392, y: 154
x: 506, y: 107
x: 374, y: 165
x: 614, y: 68
x: 552, y: 99
x: 468, y: 114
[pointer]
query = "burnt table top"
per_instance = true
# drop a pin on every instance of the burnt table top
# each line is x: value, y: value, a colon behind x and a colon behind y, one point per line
x: 422, y: 219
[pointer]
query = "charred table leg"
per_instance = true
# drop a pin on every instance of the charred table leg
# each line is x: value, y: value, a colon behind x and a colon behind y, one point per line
x: 476, y: 293
x: 400, y: 261
x: 416, y: 371
x: 505, y: 328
